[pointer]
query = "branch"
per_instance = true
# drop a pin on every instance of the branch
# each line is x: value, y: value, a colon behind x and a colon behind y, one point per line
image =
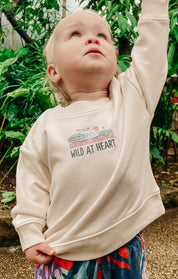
x: 63, y: 8
x: 139, y: 7
x: 10, y: 14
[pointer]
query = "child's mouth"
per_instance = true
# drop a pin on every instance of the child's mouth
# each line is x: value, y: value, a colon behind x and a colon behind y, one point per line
x: 94, y: 51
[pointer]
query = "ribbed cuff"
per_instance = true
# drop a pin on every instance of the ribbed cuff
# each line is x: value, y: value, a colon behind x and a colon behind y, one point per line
x: 30, y: 235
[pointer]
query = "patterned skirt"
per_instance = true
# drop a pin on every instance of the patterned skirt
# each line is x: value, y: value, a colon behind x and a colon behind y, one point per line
x: 128, y: 262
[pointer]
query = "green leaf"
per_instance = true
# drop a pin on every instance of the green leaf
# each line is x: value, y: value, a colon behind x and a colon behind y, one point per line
x: 5, y: 64
x: 174, y: 20
x: 14, y: 152
x: 11, y: 112
x: 122, y: 66
x: 7, y: 197
x: 14, y: 94
x: 19, y: 93
x: 155, y: 132
x: 46, y: 98
x: 156, y: 154
x: 14, y: 135
x: 174, y: 136
x: 171, y: 53
x: 125, y: 58
x: 176, y: 32
x: 122, y: 23
x: 16, y: 122
x: 100, y: 4
x: 21, y: 52
x: 132, y: 19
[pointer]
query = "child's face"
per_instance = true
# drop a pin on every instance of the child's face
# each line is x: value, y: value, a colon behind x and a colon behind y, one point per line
x: 84, y: 49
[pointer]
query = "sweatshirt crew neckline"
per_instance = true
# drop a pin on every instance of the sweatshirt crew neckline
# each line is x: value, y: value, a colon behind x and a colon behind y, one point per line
x: 83, y: 106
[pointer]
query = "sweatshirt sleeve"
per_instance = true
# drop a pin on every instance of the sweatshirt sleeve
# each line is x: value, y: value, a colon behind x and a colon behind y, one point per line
x: 32, y: 192
x: 148, y: 69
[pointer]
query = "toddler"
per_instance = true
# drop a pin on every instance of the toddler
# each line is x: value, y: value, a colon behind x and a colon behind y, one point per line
x: 85, y: 188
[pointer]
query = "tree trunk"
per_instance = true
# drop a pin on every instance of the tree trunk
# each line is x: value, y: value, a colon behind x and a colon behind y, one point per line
x: 10, y: 16
x: 63, y: 8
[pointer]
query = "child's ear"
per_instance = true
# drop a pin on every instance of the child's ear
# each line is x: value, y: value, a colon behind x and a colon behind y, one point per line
x: 53, y: 74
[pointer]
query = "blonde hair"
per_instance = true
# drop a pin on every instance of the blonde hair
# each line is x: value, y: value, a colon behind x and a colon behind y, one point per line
x: 48, y: 52
x: 49, y: 55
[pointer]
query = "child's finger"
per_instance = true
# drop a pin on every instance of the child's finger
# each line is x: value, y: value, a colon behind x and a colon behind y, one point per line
x: 40, y: 254
x: 42, y: 259
x: 45, y: 249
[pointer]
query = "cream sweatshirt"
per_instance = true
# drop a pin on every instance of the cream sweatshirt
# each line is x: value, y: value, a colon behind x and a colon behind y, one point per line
x: 84, y: 172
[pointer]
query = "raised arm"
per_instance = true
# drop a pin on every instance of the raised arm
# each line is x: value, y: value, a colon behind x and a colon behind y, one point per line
x: 149, y: 55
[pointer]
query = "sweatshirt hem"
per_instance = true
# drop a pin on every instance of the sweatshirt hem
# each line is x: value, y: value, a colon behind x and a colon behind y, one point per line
x: 102, y: 244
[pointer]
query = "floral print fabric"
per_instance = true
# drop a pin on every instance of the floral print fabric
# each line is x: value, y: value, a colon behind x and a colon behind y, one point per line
x: 128, y: 262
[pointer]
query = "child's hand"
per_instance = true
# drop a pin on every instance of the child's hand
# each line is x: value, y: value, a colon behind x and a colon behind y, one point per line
x: 40, y: 254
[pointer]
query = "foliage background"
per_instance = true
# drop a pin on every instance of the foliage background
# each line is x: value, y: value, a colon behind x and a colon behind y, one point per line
x: 25, y: 93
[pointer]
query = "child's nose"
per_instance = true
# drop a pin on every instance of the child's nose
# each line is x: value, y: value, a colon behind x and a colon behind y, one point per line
x: 93, y: 41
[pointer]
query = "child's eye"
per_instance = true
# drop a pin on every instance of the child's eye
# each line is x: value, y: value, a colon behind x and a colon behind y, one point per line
x: 75, y: 34
x: 102, y: 36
